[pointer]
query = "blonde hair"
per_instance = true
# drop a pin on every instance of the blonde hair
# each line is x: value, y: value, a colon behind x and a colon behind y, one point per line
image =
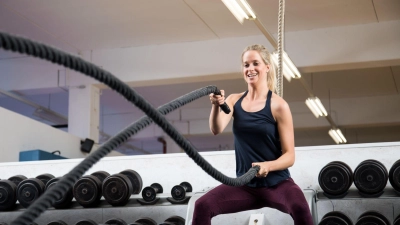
x: 266, y: 56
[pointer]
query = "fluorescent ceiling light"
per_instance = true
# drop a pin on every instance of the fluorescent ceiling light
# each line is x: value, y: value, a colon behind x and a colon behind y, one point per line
x: 240, y: 9
x: 337, y: 136
x: 316, y: 107
x: 289, y: 69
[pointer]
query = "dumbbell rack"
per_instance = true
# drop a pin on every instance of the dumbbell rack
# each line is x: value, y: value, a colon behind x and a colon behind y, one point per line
x: 130, y: 212
x: 389, y: 201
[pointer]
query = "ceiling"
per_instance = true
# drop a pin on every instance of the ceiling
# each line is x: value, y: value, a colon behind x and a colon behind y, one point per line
x: 77, y: 26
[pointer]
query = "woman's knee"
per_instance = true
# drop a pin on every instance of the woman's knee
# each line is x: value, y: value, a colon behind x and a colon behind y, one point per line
x: 204, y: 205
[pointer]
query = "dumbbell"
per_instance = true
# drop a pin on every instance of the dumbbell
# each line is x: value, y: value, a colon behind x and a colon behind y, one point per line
x: 335, y: 179
x: 370, y: 178
x: 86, y: 222
x: 178, y: 192
x: 65, y: 200
x: 45, y: 177
x: 88, y: 189
x: 397, y: 220
x: 144, y: 221
x: 8, y: 192
x: 118, y: 188
x: 372, y: 217
x: 149, y: 193
x: 394, y: 176
x: 116, y: 221
x: 174, y: 220
x: 29, y: 190
x: 57, y: 222
x: 335, y: 217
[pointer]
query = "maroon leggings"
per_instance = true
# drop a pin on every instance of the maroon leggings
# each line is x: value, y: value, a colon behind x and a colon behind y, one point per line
x: 286, y: 197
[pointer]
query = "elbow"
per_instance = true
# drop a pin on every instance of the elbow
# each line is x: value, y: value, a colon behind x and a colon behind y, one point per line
x: 214, y: 132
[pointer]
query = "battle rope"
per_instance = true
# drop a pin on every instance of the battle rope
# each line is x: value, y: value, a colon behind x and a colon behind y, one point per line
x: 26, y: 46
x: 281, y: 24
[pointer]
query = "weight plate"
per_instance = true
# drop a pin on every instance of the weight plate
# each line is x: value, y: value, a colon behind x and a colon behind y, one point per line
x: 397, y: 220
x: 146, y: 221
x: 8, y: 195
x: 117, y: 189
x: 374, y: 216
x: 178, y: 192
x: 187, y: 185
x: 17, y: 179
x: 332, y: 220
x: 177, y: 220
x: 29, y: 190
x: 149, y: 194
x: 57, y: 222
x: 45, y: 177
x: 334, y: 179
x: 65, y: 200
x: 158, y: 187
x: 371, y: 220
x: 370, y: 177
x: 116, y: 221
x: 86, y: 222
x: 339, y: 215
x: 394, y: 176
x: 87, y: 191
x: 101, y: 175
x: 136, y: 180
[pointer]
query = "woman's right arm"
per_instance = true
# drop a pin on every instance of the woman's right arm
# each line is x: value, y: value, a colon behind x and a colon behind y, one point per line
x: 218, y: 119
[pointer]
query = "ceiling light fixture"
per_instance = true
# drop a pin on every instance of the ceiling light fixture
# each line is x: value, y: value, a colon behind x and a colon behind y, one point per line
x: 289, y: 69
x: 337, y: 136
x: 316, y: 107
x: 240, y: 9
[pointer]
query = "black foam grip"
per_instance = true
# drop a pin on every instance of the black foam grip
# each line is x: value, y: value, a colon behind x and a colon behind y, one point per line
x: 224, y: 106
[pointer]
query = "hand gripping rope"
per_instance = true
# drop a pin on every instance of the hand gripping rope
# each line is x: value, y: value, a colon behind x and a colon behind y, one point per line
x: 26, y: 46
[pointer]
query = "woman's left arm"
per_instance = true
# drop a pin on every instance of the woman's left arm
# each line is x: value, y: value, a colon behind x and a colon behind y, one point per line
x: 284, y: 119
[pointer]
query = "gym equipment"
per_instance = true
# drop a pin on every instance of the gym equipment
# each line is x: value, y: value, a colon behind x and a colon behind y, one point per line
x: 65, y: 200
x: 8, y: 195
x: 86, y: 222
x: 394, y: 176
x: 372, y: 218
x: 335, y: 218
x: 88, y: 189
x: 149, y: 194
x: 174, y: 220
x: 370, y: 178
x: 144, y: 221
x: 178, y: 193
x: 116, y: 221
x: 118, y: 188
x: 45, y: 177
x: 29, y: 190
x: 57, y: 222
x: 17, y: 179
x: 335, y: 179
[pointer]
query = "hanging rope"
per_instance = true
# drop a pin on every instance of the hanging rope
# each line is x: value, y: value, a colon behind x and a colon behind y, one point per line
x: 281, y: 26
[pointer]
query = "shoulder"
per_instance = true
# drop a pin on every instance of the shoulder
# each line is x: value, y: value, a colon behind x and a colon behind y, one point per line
x: 279, y: 106
x: 233, y: 98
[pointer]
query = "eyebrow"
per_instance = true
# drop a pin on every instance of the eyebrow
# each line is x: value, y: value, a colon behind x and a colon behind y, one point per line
x: 251, y: 61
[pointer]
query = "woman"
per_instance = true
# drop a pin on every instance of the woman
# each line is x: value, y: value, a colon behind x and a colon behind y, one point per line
x: 263, y: 131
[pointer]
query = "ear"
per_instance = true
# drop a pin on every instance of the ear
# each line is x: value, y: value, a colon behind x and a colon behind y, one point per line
x: 268, y: 67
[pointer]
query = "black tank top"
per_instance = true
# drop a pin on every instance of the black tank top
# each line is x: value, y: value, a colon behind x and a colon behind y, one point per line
x: 257, y: 140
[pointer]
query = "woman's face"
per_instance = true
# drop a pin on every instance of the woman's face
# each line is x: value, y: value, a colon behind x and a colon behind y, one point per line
x: 253, y: 67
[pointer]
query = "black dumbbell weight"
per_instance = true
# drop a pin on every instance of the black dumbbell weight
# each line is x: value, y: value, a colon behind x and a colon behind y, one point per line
x: 118, y: 188
x: 174, y: 220
x: 17, y: 179
x: 335, y: 218
x: 144, y: 221
x: 394, y: 176
x: 8, y: 195
x: 335, y: 179
x: 29, y: 190
x: 57, y: 222
x: 370, y: 178
x: 64, y: 201
x: 372, y: 218
x: 45, y: 177
x: 178, y: 192
x: 116, y: 221
x: 149, y: 193
x: 88, y: 189
x: 397, y: 220
x: 86, y: 222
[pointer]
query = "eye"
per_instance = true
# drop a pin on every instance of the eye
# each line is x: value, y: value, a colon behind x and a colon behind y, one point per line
x: 246, y: 65
x: 255, y: 63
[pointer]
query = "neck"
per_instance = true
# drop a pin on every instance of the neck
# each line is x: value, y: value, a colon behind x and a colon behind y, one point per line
x: 257, y: 91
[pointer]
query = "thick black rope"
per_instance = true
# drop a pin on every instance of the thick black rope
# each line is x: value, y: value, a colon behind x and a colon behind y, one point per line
x: 26, y: 46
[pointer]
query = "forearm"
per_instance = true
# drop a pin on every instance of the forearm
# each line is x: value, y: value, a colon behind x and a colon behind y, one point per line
x: 214, y: 121
x: 285, y: 161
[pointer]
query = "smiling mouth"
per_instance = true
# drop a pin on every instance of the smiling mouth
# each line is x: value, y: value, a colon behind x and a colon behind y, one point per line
x: 252, y: 75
